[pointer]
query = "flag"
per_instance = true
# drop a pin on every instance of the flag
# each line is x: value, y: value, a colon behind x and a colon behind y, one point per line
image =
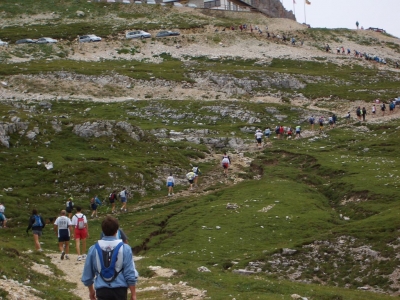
x: 308, y: 2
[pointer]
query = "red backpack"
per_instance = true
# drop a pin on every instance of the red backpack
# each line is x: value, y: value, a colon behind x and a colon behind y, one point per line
x: 80, y: 224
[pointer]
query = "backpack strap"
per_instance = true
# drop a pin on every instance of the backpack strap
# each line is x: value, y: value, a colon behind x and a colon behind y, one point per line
x: 113, y: 260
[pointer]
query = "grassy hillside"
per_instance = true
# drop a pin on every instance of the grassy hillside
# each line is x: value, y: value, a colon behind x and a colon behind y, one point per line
x: 330, y: 198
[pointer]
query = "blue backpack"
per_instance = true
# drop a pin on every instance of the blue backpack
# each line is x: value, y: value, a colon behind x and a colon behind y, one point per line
x: 38, y: 222
x: 108, y: 260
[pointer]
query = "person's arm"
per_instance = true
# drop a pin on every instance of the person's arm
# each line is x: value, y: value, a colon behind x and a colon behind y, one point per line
x: 92, y: 293
x: 30, y: 224
x: 55, y: 227
x: 133, y: 292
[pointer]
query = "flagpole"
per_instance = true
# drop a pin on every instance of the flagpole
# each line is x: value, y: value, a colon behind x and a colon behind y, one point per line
x: 294, y: 8
x: 305, y: 16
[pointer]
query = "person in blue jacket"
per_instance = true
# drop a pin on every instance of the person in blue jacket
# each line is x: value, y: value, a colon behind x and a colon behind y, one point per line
x: 125, y: 274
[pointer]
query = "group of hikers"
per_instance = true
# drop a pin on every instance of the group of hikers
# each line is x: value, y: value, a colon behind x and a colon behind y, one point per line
x: 109, y: 268
x: 258, y: 29
x: 341, y: 50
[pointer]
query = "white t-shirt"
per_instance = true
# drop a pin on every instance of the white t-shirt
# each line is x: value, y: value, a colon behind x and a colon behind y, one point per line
x: 62, y: 222
x: 122, y: 194
x: 259, y: 134
x: 170, y: 179
x: 75, y: 219
x: 2, y: 208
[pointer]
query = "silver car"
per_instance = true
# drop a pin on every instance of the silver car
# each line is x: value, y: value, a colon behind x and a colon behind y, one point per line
x: 46, y: 40
x: 89, y: 38
x: 137, y: 34
x: 2, y: 43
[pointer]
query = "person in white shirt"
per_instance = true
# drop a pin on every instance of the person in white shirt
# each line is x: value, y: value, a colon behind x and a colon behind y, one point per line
x: 259, y: 136
x: 63, y: 228
x: 170, y: 184
x: 123, y: 196
x: 3, y: 218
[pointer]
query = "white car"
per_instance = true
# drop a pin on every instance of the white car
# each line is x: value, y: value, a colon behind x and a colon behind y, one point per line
x: 3, y: 43
x: 45, y: 40
x: 137, y: 34
x: 177, y: 4
x: 89, y: 38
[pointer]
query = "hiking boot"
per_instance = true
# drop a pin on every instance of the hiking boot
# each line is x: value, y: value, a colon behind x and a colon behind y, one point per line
x: 84, y: 256
x: 40, y: 249
x: 62, y: 255
x: 79, y: 258
x: 125, y: 210
x: 169, y: 195
x: 67, y: 257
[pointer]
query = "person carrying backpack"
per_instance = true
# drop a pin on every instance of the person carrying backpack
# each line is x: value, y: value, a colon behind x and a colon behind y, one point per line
x: 69, y: 206
x: 93, y: 207
x: 196, y: 171
x: 37, y: 224
x: 109, y: 267
x: 190, y: 177
x: 112, y: 198
x: 226, y: 162
x: 123, y: 195
x: 80, y: 227
x: 63, y: 229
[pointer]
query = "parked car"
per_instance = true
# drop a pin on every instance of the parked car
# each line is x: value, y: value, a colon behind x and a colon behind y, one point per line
x: 164, y: 33
x: 137, y: 34
x: 191, y: 5
x: 2, y: 43
x: 25, y: 41
x: 177, y: 4
x: 151, y: 2
x: 89, y: 38
x: 46, y: 40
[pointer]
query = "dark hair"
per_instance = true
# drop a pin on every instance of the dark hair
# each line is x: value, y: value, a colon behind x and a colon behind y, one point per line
x: 78, y: 208
x: 170, y: 174
x: 34, y: 211
x: 109, y: 226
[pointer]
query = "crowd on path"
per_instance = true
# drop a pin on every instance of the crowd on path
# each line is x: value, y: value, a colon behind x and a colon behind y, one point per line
x: 109, y: 269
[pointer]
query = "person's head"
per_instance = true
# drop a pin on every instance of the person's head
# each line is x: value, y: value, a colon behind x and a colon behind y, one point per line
x: 170, y: 174
x: 78, y: 209
x: 109, y: 226
x: 92, y: 200
x: 63, y: 213
x: 34, y: 211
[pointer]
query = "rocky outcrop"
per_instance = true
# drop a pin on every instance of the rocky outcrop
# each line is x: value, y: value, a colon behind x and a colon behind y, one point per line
x: 105, y: 128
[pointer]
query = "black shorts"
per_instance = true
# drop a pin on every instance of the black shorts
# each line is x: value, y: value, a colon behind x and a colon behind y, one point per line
x: 191, y: 180
x: 120, y: 293
x: 68, y: 210
x: 63, y: 235
x: 259, y: 141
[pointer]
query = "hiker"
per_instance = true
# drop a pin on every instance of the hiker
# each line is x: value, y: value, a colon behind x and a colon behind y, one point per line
x: 330, y: 121
x: 289, y: 133
x: 226, y: 162
x: 383, y: 108
x: 321, y: 124
x: 364, y: 113
x: 267, y: 133
x: 190, y: 177
x: 358, y: 113
x: 63, y: 228
x: 277, y: 130
x: 281, y: 131
x: 327, y: 48
x: 197, y: 172
x: 373, y: 110
x: 93, y: 207
x: 347, y: 117
x: 80, y: 227
x: 123, y: 197
x: 334, y: 118
x: 298, y: 131
x: 258, y: 135
x: 109, y: 279
x: 170, y: 184
x: 97, y: 200
x: 3, y: 219
x: 111, y: 199
x: 69, y: 206
x: 37, y: 224
x: 391, y: 107
x: 311, y: 121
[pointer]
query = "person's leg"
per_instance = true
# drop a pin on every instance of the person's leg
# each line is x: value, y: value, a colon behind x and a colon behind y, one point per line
x: 78, y: 245
x: 36, y: 240
x: 84, y: 246
x: 67, y: 247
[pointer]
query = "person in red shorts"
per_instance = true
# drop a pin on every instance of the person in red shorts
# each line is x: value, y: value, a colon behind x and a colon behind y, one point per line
x: 81, y: 232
